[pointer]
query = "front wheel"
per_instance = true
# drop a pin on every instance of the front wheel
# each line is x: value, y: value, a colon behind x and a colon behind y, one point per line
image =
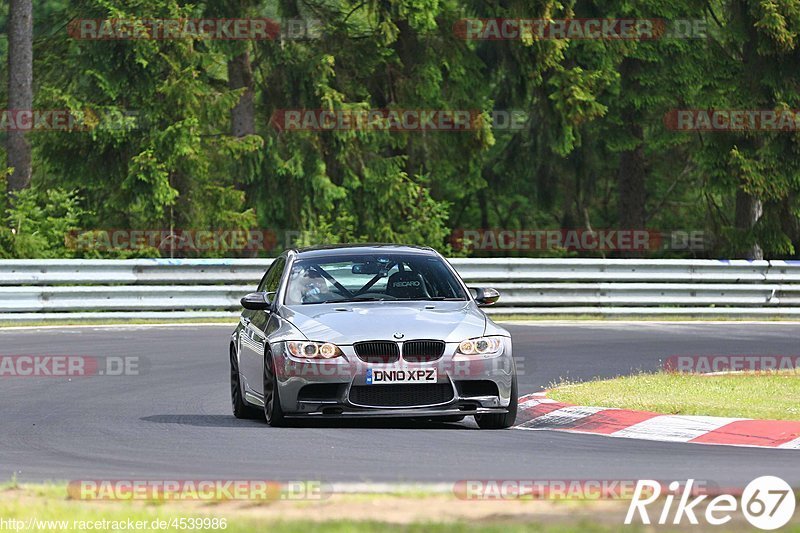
x: 501, y: 420
x: 273, y: 411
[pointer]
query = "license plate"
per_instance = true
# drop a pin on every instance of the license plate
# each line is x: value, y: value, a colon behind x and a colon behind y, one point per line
x: 400, y: 375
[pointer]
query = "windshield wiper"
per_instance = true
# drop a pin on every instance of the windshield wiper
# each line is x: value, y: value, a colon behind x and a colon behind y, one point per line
x: 348, y: 300
x: 435, y: 298
x: 385, y: 299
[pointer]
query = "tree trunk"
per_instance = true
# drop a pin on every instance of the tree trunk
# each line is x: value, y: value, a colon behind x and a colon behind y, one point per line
x: 631, y: 189
x: 749, y: 207
x: 632, y: 170
x: 240, y: 75
x: 20, y: 88
x: 243, y: 121
x: 748, y: 211
x: 790, y: 223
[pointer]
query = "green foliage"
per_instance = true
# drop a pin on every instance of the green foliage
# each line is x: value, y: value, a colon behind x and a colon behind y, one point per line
x: 39, y: 222
x: 156, y: 150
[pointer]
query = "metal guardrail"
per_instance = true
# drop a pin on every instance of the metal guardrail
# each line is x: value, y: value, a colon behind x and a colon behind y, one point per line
x: 211, y: 288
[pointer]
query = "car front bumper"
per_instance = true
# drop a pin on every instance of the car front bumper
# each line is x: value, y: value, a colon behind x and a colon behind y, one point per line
x: 479, y: 386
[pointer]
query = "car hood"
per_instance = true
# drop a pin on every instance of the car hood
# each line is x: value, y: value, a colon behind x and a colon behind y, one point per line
x: 348, y: 323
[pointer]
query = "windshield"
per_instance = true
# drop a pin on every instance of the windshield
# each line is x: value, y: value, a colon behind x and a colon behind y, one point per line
x: 371, y: 278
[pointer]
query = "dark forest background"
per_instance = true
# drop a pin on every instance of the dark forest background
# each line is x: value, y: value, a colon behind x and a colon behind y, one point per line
x: 191, y: 145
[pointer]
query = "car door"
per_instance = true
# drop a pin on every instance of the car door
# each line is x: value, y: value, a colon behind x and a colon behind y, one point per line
x: 255, y: 326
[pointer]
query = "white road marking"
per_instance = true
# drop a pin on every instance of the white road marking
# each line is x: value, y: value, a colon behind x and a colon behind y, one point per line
x: 561, y: 417
x: 673, y: 428
x: 791, y: 445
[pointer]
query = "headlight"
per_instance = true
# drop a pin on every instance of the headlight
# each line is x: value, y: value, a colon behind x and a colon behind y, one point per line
x: 481, y: 346
x: 313, y: 350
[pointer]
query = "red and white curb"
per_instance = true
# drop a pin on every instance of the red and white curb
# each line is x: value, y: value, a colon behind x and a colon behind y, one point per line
x: 537, y: 412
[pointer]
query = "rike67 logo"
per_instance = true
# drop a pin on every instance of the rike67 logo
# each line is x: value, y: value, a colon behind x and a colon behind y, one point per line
x: 768, y: 503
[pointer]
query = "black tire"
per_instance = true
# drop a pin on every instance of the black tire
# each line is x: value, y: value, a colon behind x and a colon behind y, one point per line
x: 241, y: 409
x: 273, y: 412
x: 501, y: 420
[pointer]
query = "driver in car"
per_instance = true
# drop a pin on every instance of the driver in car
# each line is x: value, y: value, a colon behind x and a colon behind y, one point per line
x: 313, y: 286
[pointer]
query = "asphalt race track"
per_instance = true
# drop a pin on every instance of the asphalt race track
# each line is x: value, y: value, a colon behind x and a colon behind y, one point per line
x: 175, y: 422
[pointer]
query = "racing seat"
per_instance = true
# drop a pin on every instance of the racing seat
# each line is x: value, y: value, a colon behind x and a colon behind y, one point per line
x: 406, y: 284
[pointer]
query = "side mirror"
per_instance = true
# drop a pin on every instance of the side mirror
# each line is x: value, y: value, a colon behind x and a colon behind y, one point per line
x: 485, y: 296
x: 256, y: 301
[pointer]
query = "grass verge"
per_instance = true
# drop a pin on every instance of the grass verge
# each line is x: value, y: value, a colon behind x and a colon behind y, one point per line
x: 770, y: 395
x: 45, y: 507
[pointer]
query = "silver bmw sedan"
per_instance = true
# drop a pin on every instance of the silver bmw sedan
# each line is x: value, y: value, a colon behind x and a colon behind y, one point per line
x: 370, y: 331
